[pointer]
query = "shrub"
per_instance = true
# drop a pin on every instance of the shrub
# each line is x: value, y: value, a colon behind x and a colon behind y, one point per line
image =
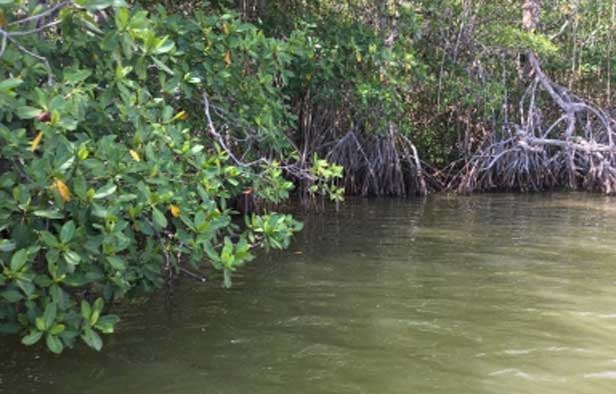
x: 114, y: 171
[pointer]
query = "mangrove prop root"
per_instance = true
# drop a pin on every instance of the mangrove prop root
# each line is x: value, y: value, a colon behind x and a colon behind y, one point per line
x: 380, y: 164
x: 574, y: 149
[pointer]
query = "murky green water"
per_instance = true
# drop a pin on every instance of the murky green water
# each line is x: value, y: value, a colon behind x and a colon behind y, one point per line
x: 483, y: 294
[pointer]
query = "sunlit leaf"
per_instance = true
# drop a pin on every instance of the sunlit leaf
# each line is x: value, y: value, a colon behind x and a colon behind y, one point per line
x: 54, y: 344
x: 105, y: 191
x: 63, y: 189
x: 134, y: 155
x: 36, y: 141
x: 92, y: 339
x: 32, y: 338
x: 175, y: 210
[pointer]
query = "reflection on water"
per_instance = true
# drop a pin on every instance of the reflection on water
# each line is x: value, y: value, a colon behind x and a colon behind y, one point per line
x: 482, y: 294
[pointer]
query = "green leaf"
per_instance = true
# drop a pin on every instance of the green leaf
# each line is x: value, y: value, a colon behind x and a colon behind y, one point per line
x: 54, y: 344
x: 40, y: 324
x: 227, y: 278
x: 6, y: 245
x: 10, y: 83
x: 162, y: 66
x: 211, y: 253
x: 49, y: 214
x: 101, y: 4
x: 57, y: 329
x: 196, y: 149
x: 76, y: 76
x: 48, y: 239
x: 99, y: 304
x: 49, y: 316
x: 18, y: 260
x: 28, y: 112
x: 67, y: 232
x: 105, y: 191
x: 92, y: 339
x: 86, y: 310
x: 117, y: 263
x: 32, y: 338
x: 67, y: 164
x: 72, y: 257
x: 96, y: 312
x: 88, y: 23
x: 122, y: 18
x: 127, y: 197
x: 164, y: 46
x: 159, y: 218
x: 226, y: 255
x: 11, y: 296
x: 106, y: 324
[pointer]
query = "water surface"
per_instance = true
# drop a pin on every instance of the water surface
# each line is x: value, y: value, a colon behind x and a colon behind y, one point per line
x: 483, y: 294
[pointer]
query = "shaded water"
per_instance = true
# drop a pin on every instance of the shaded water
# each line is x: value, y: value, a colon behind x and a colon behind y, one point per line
x: 483, y: 294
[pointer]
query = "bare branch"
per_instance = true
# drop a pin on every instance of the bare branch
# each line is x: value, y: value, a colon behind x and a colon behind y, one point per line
x: 50, y: 77
x: 3, y: 42
x: 43, y: 14
x: 220, y: 139
x: 38, y: 29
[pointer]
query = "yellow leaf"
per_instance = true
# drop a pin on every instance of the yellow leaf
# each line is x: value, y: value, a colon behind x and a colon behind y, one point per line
x: 64, y: 191
x: 175, y: 210
x: 2, y: 19
x: 36, y: 141
x: 228, y: 58
x: 182, y: 115
x: 225, y: 28
x: 134, y: 155
x: 358, y: 57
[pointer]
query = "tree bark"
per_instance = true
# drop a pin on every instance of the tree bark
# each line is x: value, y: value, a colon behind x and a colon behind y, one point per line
x: 531, y: 10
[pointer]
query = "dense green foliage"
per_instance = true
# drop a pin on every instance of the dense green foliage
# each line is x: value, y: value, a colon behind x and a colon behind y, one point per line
x: 112, y: 174
x: 132, y: 132
x: 448, y: 74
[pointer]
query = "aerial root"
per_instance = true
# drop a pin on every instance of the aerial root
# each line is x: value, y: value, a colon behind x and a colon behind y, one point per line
x: 381, y: 165
x: 576, y: 150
